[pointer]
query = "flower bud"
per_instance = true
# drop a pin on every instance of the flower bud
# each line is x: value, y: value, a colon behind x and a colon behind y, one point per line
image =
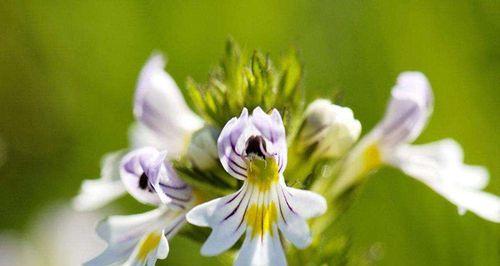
x: 329, y: 129
x: 202, y: 151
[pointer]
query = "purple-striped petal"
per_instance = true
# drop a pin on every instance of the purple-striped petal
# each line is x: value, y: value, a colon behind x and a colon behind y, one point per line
x: 226, y: 216
x: 231, y: 147
x: 259, y: 133
x: 151, y: 179
x: 272, y: 128
x: 408, y: 111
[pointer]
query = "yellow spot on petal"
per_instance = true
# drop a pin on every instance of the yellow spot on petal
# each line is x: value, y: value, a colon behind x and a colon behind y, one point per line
x: 261, y: 218
x: 148, y: 244
x: 263, y: 173
x: 371, y: 157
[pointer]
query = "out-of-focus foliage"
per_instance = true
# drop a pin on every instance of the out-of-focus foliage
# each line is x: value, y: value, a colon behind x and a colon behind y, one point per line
x: 68, y: 71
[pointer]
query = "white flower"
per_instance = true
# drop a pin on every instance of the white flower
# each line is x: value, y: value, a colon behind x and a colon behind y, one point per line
x: 439, y: 165
x: 332, y: 128
x: 138, y: 239
x: 253, y: 149
x: 164, y: 121
x: 142, y: 238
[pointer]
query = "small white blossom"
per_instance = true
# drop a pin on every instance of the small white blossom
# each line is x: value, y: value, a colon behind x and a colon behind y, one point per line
x: 253, y: 149
x: 142, y: 238
x: 439, y: 165
x: 332, y: 128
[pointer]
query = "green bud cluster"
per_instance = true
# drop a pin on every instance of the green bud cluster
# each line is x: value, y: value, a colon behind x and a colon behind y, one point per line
x: 249, y: 80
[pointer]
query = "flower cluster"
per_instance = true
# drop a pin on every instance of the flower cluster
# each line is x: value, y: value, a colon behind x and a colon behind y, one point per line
x: 256, y: 173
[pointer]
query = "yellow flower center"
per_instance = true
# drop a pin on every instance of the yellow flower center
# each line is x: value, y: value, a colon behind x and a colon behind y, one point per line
x: 261, y: 218
x: 262, y: 173
x: 148, y: 243
x: 372, y: 158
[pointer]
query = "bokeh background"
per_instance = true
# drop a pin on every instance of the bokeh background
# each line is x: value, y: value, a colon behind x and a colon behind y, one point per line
x: 68, y: 71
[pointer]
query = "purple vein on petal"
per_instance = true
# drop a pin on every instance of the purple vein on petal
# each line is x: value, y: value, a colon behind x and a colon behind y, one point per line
x: 235, y: 208
x: 234, y: 197
x: 177, y: 224
x: 279, y: 205
x: 245, y: 212
x: 287, y: 203
x: 231, y: 160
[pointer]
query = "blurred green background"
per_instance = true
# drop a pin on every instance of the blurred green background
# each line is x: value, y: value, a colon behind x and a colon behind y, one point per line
x: 68, y: 71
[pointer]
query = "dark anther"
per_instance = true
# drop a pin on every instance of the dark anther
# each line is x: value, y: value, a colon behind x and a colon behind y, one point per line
x: 143, y: 181
x: 256, y: 145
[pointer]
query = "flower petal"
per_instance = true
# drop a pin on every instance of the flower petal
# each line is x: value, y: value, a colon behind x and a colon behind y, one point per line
x: 439, y: 165
x: 151, y: 247
x: 272, y: 128
x: 476, y: 177
x: 408, y: 110
x: 226, y: 217
x: 483, y: 204
x: 141, y: 136
x: 293, y: 225
x: 231, y: 147
x: 440, y: 160
x: 152, y: 180
x: 122, y: 228
x: 132, y: 172
x: 306, y: 203
x: 97, y: 193
x: 261, y: 251
x: 160, y: 106
x: 122, y: 233
x: 163, y: 248
x: 152, y: 169
x: 295, y: 207
x: 331, y: 128
x: 113, y: 255
x: 130, y: 237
